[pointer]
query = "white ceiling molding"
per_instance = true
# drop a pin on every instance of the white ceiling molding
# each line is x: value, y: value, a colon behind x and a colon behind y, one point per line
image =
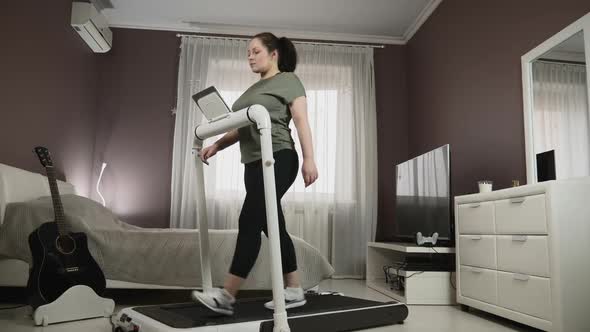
x: 421, y: 19
x: 249, y: 30
x: 219, y: 29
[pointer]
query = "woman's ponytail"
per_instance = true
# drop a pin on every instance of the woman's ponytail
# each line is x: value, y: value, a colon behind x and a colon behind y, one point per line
x: 287, y: 55
x: 284, y: 46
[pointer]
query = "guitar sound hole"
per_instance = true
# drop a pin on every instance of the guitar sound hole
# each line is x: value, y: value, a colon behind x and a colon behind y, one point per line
x: 65, y: 244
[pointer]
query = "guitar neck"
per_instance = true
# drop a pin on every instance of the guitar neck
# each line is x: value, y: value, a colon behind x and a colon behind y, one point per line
x: 57, y: 205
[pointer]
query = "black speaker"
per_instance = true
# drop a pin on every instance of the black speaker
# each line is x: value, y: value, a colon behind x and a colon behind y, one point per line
x: 546, y: 166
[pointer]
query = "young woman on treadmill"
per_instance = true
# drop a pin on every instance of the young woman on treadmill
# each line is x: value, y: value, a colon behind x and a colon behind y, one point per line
x: 283, y: 95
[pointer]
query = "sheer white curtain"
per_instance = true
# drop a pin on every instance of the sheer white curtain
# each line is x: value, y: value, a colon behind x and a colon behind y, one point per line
x: 338, y: 213
x: 561, y: 119
x: 205, y: 62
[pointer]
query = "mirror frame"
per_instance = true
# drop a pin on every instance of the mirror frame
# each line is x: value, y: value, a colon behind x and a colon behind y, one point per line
x: 582, y: 24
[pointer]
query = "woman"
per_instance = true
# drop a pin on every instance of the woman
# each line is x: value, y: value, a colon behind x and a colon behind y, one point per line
x: 283, y: 95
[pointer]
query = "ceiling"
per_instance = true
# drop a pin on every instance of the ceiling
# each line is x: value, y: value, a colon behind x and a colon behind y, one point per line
x: 367, y: 21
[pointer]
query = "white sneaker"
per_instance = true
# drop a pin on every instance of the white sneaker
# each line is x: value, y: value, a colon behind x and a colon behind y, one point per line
x: 294, y: 297
x: 216, y: 299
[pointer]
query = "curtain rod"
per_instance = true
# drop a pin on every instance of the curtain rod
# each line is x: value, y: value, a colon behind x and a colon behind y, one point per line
x: 294, y: 41
x: 567, y: 62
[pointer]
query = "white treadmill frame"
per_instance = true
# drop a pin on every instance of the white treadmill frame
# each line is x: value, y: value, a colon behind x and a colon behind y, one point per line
x: 256, y: 114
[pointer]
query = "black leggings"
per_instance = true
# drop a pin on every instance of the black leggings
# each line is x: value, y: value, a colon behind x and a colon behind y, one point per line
x: 253, y: 215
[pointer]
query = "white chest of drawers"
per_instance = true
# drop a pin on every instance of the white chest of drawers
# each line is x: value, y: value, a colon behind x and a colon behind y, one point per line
x: 524, y: 253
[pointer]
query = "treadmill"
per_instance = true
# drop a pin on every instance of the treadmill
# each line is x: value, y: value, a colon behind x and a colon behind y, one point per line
x: 326, y: 312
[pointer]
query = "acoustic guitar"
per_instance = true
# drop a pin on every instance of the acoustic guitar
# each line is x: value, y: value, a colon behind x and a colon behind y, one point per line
x: 61, y: 258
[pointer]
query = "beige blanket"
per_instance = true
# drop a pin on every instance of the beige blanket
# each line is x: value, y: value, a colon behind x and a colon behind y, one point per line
x: 146, y: 255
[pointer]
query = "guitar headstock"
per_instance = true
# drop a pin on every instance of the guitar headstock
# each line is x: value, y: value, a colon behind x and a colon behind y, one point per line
x: 44, y: 156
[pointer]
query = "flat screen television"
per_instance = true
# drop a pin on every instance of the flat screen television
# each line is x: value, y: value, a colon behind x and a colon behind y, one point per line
x: 423, y: 198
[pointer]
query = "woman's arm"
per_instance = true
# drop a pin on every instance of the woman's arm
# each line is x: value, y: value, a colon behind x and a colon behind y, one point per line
x: 228, y: 139
x: 299, y: 114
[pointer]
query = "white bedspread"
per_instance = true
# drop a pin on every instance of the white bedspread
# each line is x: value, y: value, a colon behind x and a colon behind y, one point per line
x: 146, y: 255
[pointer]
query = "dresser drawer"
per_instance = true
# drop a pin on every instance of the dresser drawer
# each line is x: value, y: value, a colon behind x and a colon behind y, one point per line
x: 479, y: 284
x: 476, y: 218
x: 523, y: 254
x: 526, y: 294
x: 478, y: 250
x: 521, y: 215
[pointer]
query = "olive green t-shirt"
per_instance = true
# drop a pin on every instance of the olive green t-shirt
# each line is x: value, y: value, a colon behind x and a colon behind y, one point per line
x: 275, y: 93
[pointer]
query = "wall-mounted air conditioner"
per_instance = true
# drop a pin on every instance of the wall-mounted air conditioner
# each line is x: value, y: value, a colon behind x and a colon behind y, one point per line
x: 92, y: 26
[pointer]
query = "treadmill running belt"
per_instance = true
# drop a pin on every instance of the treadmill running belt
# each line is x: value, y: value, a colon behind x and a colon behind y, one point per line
x: 189, y: 315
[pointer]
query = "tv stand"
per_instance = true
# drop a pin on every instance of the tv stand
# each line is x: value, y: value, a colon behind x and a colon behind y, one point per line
x: 421, y: 285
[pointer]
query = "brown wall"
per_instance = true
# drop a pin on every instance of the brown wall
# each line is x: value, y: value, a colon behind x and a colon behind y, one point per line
x: 464, y: 77
x: 136, y: 126
x: 48, y: 82
x: 392, y: 128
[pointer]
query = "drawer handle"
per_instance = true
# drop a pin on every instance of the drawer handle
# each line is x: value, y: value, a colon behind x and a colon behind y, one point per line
x: 521, y: 277
x: 517, y: 200
x: 474, y: 270
x: 475, y: 238
x: 476, y: 205
x: 519, y: 238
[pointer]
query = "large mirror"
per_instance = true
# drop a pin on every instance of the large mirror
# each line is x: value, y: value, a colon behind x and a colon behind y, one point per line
x: 556, y: 105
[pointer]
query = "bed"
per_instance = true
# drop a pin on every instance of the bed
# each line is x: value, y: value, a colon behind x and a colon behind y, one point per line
x: 25, y: 202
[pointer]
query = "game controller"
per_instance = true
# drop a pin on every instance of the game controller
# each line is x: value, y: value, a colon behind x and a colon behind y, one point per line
x: 421, y: 240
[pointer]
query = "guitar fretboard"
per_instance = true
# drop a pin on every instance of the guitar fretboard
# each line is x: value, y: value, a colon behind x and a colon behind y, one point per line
x: 57, y: 205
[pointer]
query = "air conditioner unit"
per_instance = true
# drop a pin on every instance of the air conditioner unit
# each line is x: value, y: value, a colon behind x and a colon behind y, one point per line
x: 92, y: 26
